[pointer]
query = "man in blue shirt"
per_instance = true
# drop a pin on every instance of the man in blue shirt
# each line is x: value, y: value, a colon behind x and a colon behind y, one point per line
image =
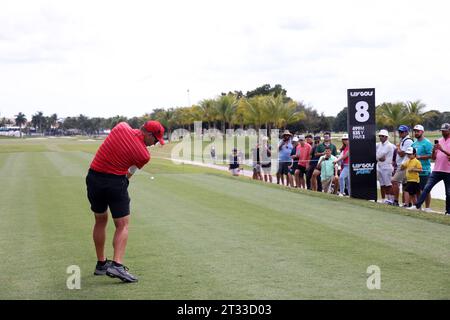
x: 284, y: 157
x: 424, y: 149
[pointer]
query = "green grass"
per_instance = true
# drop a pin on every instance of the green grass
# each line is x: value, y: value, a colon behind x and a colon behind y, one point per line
x: 200, y: 234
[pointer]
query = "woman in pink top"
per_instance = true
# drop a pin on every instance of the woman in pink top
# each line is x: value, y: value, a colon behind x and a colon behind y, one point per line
x: 441, y: 171
x: 344, y: 177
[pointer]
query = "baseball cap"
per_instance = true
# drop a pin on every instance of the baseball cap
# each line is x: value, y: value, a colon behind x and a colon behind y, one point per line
x: 156, y: 129
x: 410, y: 150
x: 301, y: 137
x: 403, y: 128
x: 317, y: 138
x: 344, y: 136
x: 383, y: 132
x: 419, y: 127
x: 445, y: 127
x: 295, y: 139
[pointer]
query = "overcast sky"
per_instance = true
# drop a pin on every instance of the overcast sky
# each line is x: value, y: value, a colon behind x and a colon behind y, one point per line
x: 103, y: 58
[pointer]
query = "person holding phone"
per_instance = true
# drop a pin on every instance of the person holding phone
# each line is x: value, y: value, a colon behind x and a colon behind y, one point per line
x: 284, y: 157
x: 441, y: 171
x: 424, y: 150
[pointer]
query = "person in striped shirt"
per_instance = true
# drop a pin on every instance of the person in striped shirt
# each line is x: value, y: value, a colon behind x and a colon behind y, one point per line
x: 117, y: 159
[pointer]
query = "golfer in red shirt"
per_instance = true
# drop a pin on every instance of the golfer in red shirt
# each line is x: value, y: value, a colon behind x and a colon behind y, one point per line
x: 119, y: 156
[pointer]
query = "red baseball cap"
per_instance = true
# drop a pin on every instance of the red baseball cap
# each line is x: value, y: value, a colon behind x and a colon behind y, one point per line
x: 156, y: 129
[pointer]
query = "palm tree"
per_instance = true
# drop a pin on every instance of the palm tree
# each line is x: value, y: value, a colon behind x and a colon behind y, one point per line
x: 415, y: 112
x: 290, y: 114
x: 20, y: 121
x: 209, y: 111
x: 53, y: 120
x: 226, y: 106
x: 167, y: 119
x: 391, y: 115
x: 280, y: 113
x: 255, y: 112
x: 37, y: 120
x: 239, y: 115
x: 192, y: 114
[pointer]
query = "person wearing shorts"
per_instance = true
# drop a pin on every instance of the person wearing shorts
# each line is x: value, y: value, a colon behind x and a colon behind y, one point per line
x: 293, y: 167
x: 304, y: 155
x: 412, y: 168
x: 384, y: 155
x: 424, y: 149
x: 234, y: 165
x: 399, y: 177
x: 256, y: 162
x: 266, y: 161
x: 284, y: 157
x: 310, y: 182
x: 319, y: 151
x: 117, y: 159
x: 328, y: 172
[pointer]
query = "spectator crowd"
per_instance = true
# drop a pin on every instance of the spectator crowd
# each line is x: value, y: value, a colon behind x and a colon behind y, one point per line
x: 308, y: 162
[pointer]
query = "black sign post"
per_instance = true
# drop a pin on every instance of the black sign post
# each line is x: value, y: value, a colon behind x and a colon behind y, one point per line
x: 362, y: 140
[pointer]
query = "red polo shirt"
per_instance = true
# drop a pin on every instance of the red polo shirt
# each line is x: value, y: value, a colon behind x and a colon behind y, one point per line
x: 124, y: 147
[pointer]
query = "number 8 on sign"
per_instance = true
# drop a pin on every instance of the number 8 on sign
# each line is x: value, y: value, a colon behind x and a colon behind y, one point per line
x: 362, y: 111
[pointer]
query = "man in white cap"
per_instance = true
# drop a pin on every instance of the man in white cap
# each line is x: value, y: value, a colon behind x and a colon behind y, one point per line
x: 424, y: 151
x: 384, y: 155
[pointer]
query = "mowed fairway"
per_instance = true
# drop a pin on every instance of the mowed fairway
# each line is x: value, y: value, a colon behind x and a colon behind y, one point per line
x: 199, y: 234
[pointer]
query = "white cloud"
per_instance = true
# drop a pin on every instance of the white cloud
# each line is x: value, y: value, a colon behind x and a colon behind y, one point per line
x: 103, y: 58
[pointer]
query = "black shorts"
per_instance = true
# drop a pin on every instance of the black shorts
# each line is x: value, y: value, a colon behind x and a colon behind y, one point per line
x: 283, y: 167
x: 423, y: 182
x: 108, y: 190
x: 302, y: 170
x: 293, y: 168
x: 412, y: 188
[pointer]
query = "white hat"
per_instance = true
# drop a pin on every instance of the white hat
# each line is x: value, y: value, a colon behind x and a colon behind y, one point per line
x: 344, y: 136
x: 383, y: 132
x: 295, y: 139
x: 419, y: 127
x: 301, y: 137
x: 265, y: 138
x: 410, y: 150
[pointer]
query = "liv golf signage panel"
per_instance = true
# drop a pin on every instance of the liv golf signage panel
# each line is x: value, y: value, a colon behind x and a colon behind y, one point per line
x: 362, y: 139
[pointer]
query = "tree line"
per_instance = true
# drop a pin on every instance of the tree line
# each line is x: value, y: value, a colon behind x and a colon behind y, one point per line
x: 265, y: 107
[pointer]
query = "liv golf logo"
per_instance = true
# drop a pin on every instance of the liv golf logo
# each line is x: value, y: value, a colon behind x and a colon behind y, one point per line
x: 363, y: 168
